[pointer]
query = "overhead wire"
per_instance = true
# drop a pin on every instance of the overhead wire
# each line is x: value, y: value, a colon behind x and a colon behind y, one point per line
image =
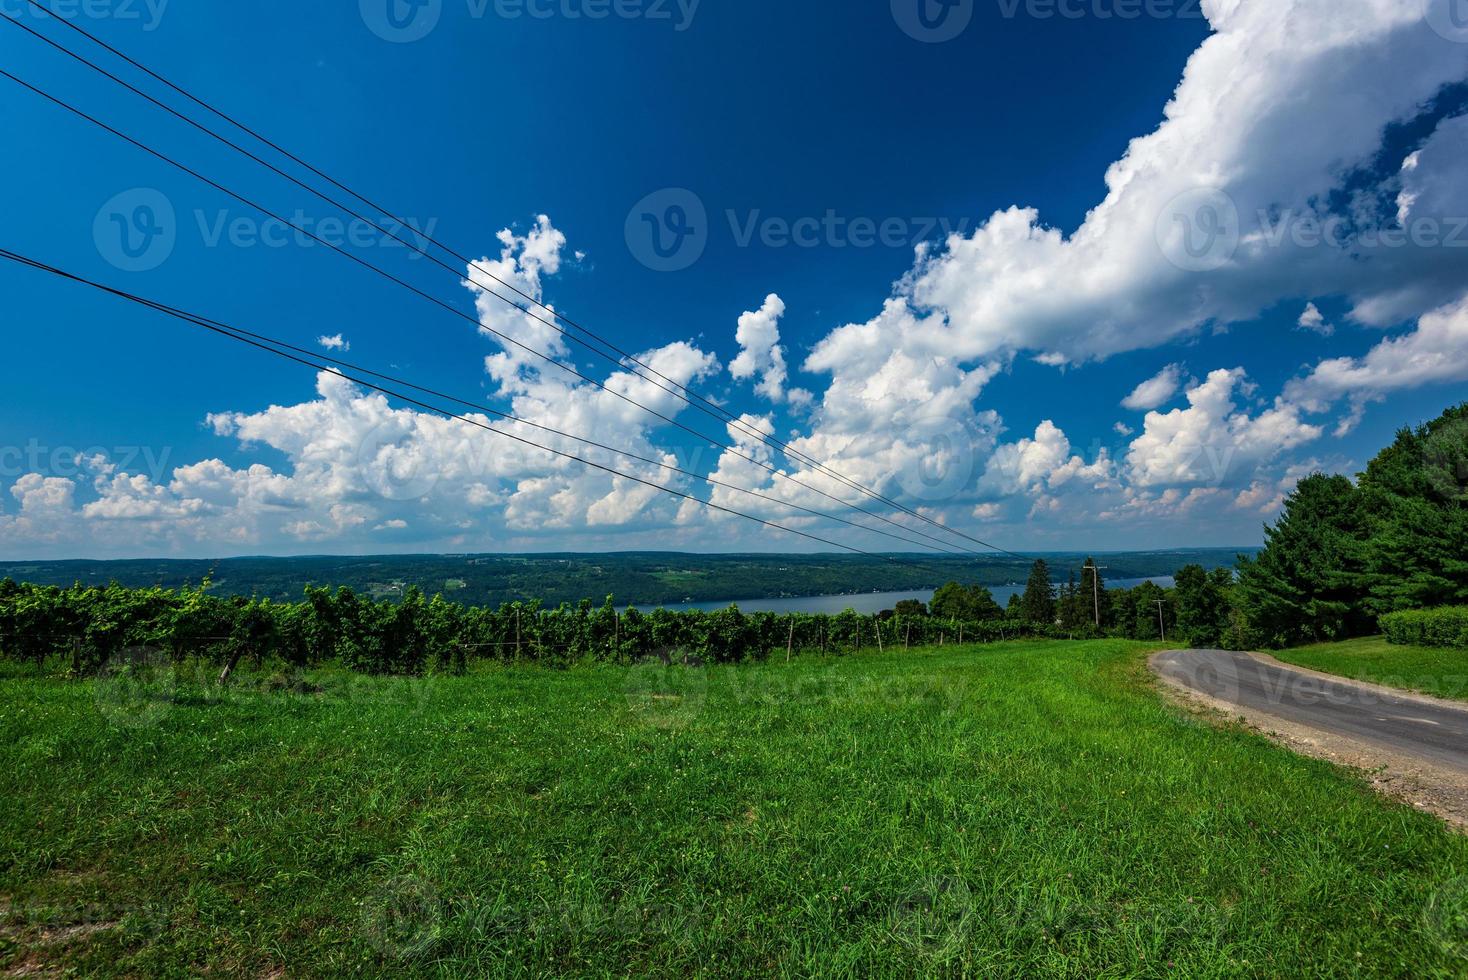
x: 320, y: 362
x: 684, y: 393
x: 459, y: 313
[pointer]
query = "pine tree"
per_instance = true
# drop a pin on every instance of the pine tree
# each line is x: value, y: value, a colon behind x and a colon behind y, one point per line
x: 1414, y: 505
x: 1093, y: 594
x: 1074, y: 611
x: 1305, y: 586
x: 1038, y: 604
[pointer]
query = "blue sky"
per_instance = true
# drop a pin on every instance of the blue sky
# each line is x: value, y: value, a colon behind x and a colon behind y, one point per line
x: 1026, y: 333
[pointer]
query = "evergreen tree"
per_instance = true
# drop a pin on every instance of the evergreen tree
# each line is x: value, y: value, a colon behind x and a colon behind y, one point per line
x: 1200, y: 600
x: 1038, y: 604
x: 1093, y: 594
x: 1117, y: 615
x: 1142, y: 604
x: 1074, y: 609
x: 1414, y: 507
x: 1305, y: 586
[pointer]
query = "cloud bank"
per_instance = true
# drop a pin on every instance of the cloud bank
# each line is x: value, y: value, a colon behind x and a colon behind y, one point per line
x: 1311, y: 152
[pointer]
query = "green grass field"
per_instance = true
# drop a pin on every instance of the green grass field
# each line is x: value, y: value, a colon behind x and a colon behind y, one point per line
x: 1431, y: 670
x: 1020, y: 810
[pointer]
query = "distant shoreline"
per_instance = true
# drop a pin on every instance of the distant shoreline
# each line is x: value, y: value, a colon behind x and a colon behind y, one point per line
x: 642, y: 579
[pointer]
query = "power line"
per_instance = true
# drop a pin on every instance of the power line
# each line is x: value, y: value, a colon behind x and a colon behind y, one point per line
x: 315, y: 361
x: 459, y: 313
x: 239, y: 332
x: 317, y: 365
x: 722, y: 414
x: 703, y: 404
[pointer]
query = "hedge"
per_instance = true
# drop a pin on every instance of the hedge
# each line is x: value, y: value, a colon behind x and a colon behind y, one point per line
x: 1447, y: 627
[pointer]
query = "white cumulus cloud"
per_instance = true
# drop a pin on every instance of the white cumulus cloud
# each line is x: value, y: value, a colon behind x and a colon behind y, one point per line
x: 1155, y: 391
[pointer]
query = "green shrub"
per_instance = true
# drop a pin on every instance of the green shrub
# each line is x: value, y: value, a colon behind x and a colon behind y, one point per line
x: 1447, y: 627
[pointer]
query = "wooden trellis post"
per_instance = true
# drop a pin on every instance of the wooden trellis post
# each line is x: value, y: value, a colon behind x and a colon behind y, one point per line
x: 790, y: 641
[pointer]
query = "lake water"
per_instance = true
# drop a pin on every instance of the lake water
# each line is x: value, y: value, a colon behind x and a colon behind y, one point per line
x: 871, y: 602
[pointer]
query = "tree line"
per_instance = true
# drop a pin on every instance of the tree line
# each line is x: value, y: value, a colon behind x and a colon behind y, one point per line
x: 1345, y: 554
x: 1342, y: 555
x: 1196, y: 611
x: 1346, y: 558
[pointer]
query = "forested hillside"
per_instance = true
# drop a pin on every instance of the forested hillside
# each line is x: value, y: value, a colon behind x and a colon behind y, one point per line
x: 635, y: 578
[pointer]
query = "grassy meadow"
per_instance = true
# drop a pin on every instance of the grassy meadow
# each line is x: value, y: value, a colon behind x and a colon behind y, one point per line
x: 1438, y: 671
x: 1022, y: 809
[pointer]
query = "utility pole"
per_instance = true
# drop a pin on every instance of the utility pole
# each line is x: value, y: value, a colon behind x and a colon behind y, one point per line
x: 1161, y: 623
x: 1096, y: 571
